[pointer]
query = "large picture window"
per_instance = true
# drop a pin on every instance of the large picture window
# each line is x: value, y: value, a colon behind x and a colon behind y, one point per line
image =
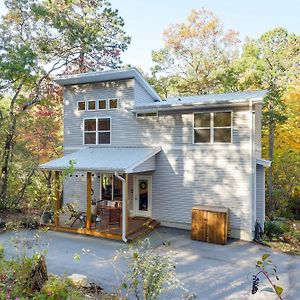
x: 97, y: 131
x: 213, y: 127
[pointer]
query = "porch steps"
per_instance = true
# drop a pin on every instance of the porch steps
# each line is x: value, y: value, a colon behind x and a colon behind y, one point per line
x: 139, y: 233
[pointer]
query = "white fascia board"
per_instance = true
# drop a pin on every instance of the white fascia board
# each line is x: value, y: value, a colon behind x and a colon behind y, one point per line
x: 177, y: 107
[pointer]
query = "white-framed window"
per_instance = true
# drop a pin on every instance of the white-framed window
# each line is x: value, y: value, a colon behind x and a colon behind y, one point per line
x: 97, y: 131
x: 104, y: 131
x: 212, y: 127
x: 113, y: 103
x: 91, y: 105
x: 90, y: 131
x: 148, y: 114
x: 102, y: 104
x: 81, y: 105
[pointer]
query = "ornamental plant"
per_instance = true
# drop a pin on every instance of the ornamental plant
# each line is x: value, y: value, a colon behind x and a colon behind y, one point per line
x: 150, y: 271
x: 266, y: 269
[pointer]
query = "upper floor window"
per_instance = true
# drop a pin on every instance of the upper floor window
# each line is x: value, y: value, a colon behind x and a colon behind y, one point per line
x: 104, y: 131
x: 213, y: 127
x: 113, y: 103
x: 90, y: 132
x: 81, y: 105
x: 97, y: 131
x: 91, y: 105
x: 102, y: 104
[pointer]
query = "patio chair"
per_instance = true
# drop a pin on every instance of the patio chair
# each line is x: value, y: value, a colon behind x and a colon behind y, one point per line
x: 76, y: 215
x: 114, y: 217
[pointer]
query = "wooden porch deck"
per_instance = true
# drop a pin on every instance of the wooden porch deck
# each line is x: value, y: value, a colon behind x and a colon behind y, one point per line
x: 137, y: 228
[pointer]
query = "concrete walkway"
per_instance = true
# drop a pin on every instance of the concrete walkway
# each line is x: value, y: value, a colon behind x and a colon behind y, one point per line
x: 208, y: 271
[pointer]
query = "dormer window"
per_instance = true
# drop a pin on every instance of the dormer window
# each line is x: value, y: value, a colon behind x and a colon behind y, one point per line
x: 91, y: 105
x: 113, y: 103
x: 81, y: 105
x: 102, y: 104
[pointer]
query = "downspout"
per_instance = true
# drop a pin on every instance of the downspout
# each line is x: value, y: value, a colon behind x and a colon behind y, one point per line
x: 252, y: 169
x: 124, y: 205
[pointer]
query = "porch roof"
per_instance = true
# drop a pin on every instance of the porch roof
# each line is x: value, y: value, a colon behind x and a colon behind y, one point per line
x: 109, y: 159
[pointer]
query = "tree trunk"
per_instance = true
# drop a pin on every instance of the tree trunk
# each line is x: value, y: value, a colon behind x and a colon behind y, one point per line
x: 81, y: 63
x: 271, y: 155
x: 8, y: 146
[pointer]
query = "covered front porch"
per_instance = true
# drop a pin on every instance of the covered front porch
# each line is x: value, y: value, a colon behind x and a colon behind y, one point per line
x: 105, y: 192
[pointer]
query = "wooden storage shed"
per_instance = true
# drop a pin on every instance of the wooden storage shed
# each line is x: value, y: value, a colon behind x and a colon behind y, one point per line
x: 210, y: 224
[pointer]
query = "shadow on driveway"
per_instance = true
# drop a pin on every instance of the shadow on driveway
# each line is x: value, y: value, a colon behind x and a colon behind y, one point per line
x: 209, y: 271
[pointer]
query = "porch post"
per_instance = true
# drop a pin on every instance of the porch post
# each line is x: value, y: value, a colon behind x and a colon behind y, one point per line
x: 57, y: 199
x: 127, y: 204
x: 88, y: 200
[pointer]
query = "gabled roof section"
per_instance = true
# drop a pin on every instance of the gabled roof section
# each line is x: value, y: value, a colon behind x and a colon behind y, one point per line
x: 179, y: 103
x: 115, y: 74
x: 109, y: 159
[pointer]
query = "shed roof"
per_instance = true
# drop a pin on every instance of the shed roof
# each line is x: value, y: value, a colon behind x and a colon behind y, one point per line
x: 116, y: 74
x: 110, y: 159
x: 236, y: 98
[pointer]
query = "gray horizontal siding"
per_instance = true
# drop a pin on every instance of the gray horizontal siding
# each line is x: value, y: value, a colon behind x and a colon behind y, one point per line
x: 186, y: 174
x: 147, y: 165
x: 127, y: 130
x: 184, y: 178
x: 73, y: 119
x: 141, y: 96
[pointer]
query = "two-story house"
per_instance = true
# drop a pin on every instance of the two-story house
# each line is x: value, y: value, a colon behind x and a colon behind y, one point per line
x: 137, y: 158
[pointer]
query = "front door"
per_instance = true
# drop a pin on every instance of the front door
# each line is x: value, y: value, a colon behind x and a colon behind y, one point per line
x: 142, y: 204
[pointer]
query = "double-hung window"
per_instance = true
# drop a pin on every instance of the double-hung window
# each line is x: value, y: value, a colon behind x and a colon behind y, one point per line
x: 97, y: 131
x: 90, y: 132
x: 104, y: 131
x: 213, y: 127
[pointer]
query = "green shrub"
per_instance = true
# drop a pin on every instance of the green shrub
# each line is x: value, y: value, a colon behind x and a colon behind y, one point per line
x: 57, y: 288
x: 150, y: 271
x: 274, y: 228
x: 1, y: 251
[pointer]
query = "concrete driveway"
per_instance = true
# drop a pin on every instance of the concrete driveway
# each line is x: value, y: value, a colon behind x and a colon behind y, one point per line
x: 208, y: 271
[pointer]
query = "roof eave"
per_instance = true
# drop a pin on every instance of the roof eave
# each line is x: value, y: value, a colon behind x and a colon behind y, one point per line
x: 60, y: 169
x: 183, y: 106
x: 121, y: 74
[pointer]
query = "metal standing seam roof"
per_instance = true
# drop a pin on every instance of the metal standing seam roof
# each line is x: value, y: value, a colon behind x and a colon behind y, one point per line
x: 115, y: 74
x: 112, y: 159
x: 203, y: 100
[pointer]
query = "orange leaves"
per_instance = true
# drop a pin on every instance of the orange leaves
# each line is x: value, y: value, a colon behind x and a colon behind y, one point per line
x: 288, y: 134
